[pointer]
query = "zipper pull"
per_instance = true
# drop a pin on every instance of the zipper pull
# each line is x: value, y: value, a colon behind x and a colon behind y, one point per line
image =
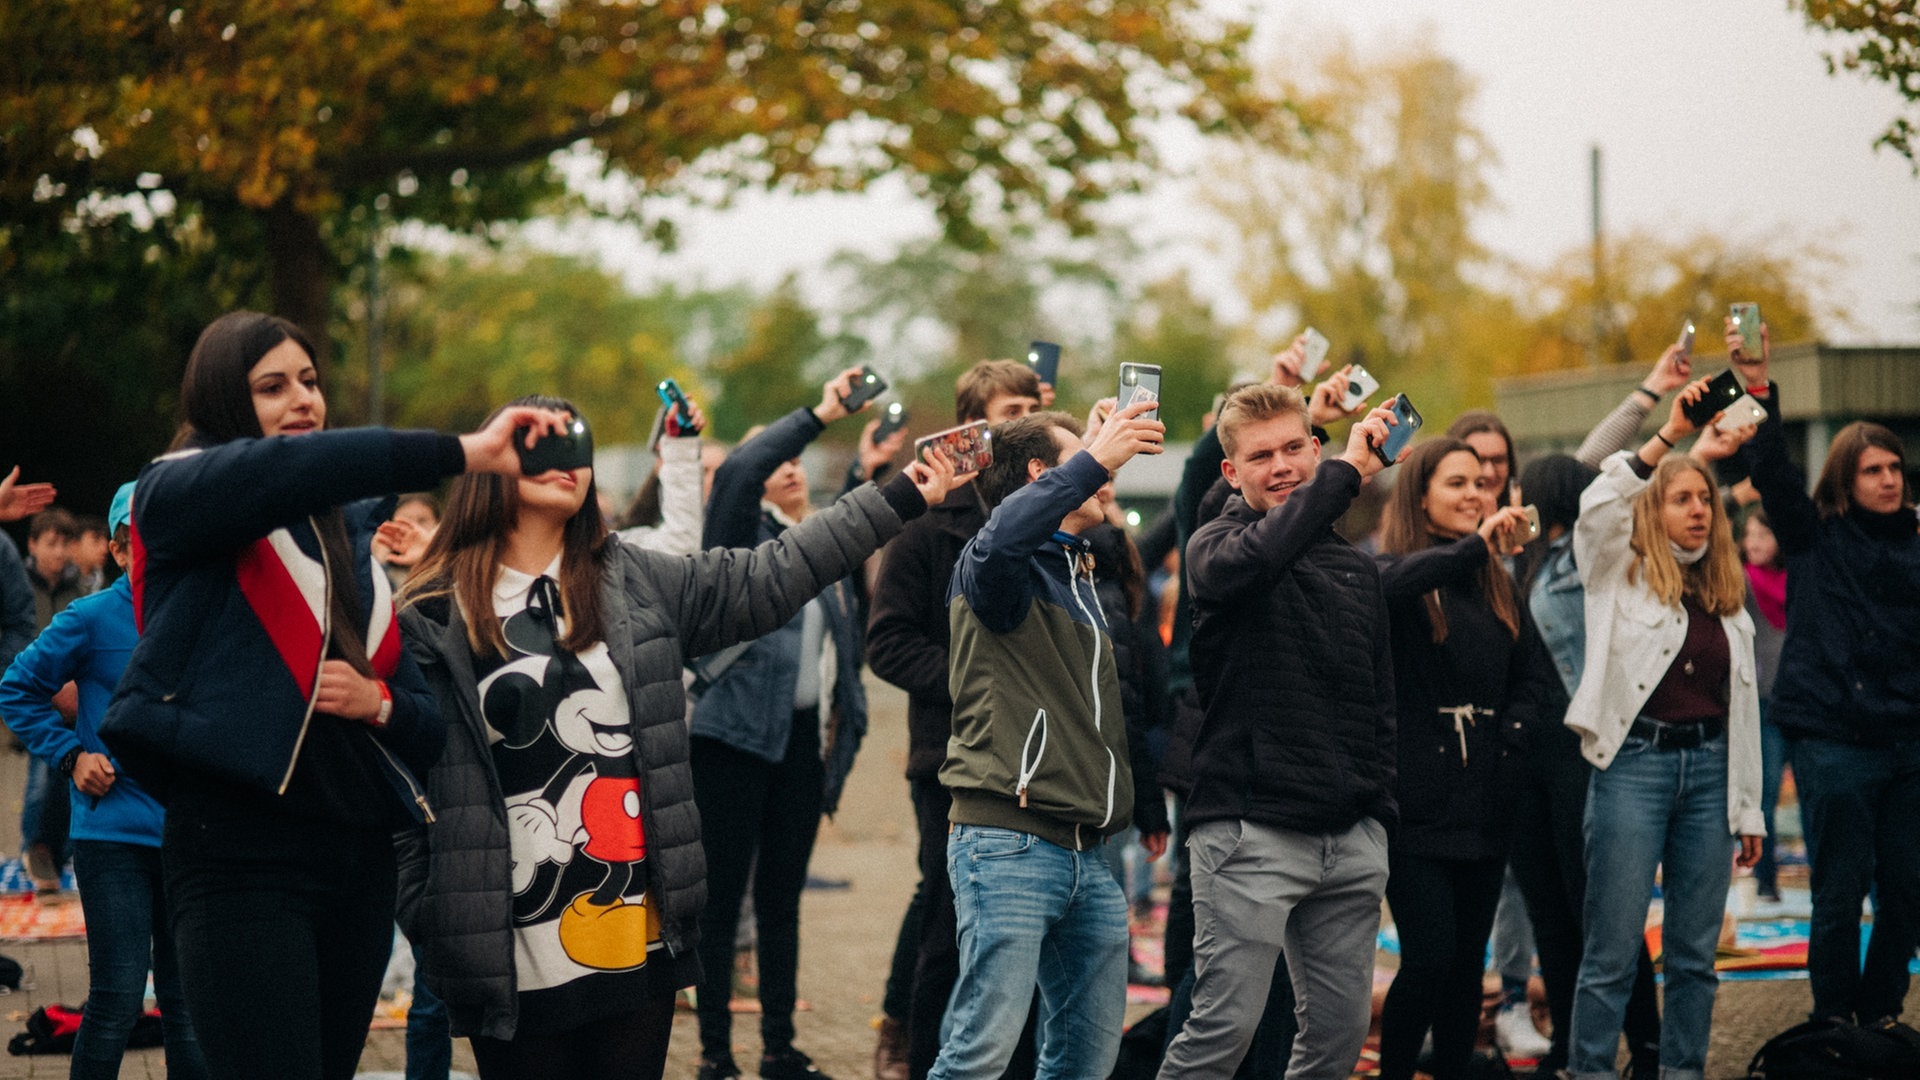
x: 421, y: 800
x: 1023, y: 796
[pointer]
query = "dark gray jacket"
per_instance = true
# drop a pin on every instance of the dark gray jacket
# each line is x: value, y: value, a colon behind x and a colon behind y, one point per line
x: 455, y: 876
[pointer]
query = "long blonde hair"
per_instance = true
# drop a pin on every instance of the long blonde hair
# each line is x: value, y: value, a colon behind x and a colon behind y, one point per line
x: 1716, y: 582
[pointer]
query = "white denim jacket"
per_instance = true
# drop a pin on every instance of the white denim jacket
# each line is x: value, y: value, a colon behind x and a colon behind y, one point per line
x: 1631, y: 641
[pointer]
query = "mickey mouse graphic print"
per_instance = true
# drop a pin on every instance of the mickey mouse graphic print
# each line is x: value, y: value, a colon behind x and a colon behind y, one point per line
x: 562, y: 743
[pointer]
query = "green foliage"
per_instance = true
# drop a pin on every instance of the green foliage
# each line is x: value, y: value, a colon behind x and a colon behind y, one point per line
x: 1177, y: 330
x: 1883, y: 44
x: 781, y: 365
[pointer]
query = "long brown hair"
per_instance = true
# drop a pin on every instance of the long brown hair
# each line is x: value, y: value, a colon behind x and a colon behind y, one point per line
x: 463, y: 559
x: 1833, y: 492
x: 1716, y: 582
x: 1405, y: 530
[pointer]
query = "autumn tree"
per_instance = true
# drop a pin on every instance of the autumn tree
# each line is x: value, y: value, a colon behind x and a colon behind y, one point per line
x: 449, y: 112
x: 1171, y: 325
x: 1883, y: 43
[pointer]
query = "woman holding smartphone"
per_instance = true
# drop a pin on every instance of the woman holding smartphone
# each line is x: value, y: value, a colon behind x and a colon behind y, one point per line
x: 1470, y: 676
x: 556, y: 902
x: 269, y: 703
x: 1668, y: 714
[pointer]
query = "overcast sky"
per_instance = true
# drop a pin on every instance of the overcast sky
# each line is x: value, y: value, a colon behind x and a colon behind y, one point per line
x: 1712, y: 114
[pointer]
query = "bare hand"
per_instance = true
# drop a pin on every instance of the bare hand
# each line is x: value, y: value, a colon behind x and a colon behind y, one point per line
x: 1329, y: 401
x: 1126, y: 433
x: 1046, y: 395
x: 934, y: 477
x: 346, y: 693
x: 490, y: 450
x: 1716, y: 443
x: 400, y: 543
x: 1155, y: 843
x: 1670, y: 372
x: 874, y: 455
x: 1749, y: 851
x: 66, y: 702
x: 93, y: 773
x: 1097, y: 416
x: 1752, y: 366
x: 1287, y: 363
x: 831, y: 408
x: 1369, y: 432
x: 1500, y: 528
x: 19, y: 500
x: 696, y: 421
x: 1678, y: 426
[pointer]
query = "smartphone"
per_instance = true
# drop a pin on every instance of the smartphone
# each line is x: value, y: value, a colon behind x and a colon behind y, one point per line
x: 572, y: 449
x: 969, y: 445
x: 673, y: 399
x: 1361, y: 385
x: 1533, y: 523
x: 1746, y: 323
x: 1140, y: 382
x: 1685, y: 340
x: 1317, y: 346
x: 892, y: 420
x: 1044, y: 358
x: 1400, y: 434
x: 1745, y: 412
x: 1725, y: 389
x: 867, y: 385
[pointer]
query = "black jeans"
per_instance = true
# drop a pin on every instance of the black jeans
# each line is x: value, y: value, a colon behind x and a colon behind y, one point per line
x: 283, y: 927
x: 1443, y: 910
x: 897, y: 1002
x: 624, y: 1046
x: 127, y: 933
x: 1549, y: 798
x: 761, y: 818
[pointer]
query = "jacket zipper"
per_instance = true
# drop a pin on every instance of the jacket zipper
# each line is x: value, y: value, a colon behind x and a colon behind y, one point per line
x: 1026, y: 771
x: 326, y: 641
x: 1093, y: 677
x: 419, y: 797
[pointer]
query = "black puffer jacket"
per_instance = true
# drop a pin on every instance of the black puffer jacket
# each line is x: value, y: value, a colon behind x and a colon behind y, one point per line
x: 1291, y: 659
x: 456, y: 898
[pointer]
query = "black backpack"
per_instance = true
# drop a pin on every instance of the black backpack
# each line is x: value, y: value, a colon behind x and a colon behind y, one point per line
x: 1838, y: 1050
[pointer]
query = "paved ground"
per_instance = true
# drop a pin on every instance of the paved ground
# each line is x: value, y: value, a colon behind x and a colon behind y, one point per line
x: 847, y: 942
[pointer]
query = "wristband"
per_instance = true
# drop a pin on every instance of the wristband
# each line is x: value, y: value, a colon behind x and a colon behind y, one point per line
x: 67, y: 761
x: 385, y: 714
x: 1651, y: 396
x: 1663, y: 438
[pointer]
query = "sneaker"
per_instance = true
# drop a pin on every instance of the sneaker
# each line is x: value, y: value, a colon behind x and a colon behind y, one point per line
x: 1513, y: 1030
x: 719, y: 1068
x: 890, y: 1053
x: 788, y: 1064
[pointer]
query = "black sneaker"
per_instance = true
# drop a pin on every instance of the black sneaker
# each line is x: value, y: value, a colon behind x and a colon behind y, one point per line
x: 719, y: 1069
x: 788, y: 1064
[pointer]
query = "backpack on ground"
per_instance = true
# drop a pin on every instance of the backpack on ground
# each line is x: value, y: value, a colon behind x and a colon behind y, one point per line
x: 50, y: 1030
x: 1837, y: 1050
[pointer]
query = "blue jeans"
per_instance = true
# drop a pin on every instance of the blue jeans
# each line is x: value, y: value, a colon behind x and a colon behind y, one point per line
x: 125, y: 907
x: 1859, y: 806
x: 1653, y: 809
x: 1773, y: 764
x: 429, y: 1032
x: 1033, y: 913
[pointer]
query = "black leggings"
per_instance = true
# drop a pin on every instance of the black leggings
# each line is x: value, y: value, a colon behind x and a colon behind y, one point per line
x: 1443, y: 910
x: 761, y: 818
x: 624, y: 1046
x: 283, y: 927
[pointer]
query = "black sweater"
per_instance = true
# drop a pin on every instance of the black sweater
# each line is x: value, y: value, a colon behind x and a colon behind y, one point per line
x: 1291, y: 659
x: 1452, y: 807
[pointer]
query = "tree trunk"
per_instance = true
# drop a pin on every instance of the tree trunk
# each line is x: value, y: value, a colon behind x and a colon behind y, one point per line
x: 301, y: 272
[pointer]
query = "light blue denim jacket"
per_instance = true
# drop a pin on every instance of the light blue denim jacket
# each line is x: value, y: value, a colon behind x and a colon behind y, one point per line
x: 1559, y: 604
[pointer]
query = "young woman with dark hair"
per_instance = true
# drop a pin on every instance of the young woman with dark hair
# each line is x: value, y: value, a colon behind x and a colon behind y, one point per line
x: 1847, y: 695
x: 1667, y: 714
x: 556, y: 903
x: 269, y: 702
x: 1470, y: 677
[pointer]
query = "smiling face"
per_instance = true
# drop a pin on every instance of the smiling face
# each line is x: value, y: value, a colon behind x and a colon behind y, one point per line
x: 1686, y: 510
x: 286, y: 391
x: 1878, y: 481
x: 1456, y: 500
x: 1495, y: 465
x: 1270, y: 459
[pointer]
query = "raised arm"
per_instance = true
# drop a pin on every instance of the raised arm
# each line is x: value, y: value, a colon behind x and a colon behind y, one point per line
x: 1616, y: 430
x: 17, y: 623
x: 1404, y: 577
x: 682, y: 511
x: 992, y: 571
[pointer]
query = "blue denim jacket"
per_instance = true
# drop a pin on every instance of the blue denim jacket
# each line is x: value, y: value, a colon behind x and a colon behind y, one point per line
x: 1559, y: 605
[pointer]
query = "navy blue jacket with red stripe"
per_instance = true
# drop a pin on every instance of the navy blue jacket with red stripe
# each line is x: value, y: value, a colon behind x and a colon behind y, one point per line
x: 226, y: 593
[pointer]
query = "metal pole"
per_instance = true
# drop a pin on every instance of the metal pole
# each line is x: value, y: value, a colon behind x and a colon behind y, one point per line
x: 1599, y: 268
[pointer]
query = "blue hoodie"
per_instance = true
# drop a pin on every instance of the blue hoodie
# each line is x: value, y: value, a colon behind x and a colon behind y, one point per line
x: 87, y: 643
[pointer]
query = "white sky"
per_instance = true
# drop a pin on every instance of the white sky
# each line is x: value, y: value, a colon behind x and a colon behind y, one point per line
x: 1712, y: 114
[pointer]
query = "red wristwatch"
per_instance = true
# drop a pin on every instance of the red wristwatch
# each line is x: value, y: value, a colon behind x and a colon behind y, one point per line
x: 385, y: 714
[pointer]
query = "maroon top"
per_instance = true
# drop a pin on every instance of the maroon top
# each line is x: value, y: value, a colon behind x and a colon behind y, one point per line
x: 1694, y: 689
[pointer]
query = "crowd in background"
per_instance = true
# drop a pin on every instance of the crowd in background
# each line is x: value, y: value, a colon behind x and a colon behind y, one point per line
x: 582, y: 756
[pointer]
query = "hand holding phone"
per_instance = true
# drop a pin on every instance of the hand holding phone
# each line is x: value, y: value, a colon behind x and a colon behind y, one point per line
x: 867, y: 385
x: 891, y: 420
x: 1746, y: 323
x: 682, y: 419
x: 1400, y: 433
x: 1140, y: 382
x: 1361, y: 385
x: 1316, y: 354
x: 569, y: 450
x: 969, y: 446
x: 1722, y: 391
x: 1044, y: 358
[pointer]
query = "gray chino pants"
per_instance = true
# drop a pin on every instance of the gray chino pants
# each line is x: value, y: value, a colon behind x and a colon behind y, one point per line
x: 1257, y: 890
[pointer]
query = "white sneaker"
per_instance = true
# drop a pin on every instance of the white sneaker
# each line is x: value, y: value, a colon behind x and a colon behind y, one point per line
x: 1513, y: 1029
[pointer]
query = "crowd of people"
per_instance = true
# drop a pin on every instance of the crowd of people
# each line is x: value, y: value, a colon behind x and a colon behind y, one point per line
x: 577, y: 756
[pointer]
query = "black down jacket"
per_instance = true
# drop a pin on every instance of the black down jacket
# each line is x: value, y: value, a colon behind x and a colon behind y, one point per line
x: 456, y: 898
